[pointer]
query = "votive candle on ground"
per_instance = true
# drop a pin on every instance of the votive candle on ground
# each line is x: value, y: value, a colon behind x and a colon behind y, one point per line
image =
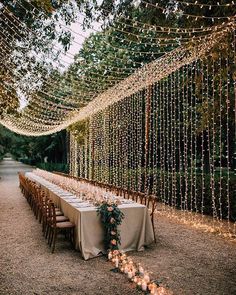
x: 130, y: 274
x: 161, y: 290
x: 140, y: 269
x: 144, y: 285
x: 139, y: 283
x: 116, y: 262
x: 146, y: 278
x: 126, y: 269
x: 153, y: 288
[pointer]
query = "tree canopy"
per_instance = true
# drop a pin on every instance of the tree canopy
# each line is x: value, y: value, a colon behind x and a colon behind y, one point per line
x: 53, y: 147
x: 36, y: 33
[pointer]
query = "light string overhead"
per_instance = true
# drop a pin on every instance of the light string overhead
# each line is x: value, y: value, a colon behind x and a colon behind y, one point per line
x: 103, y: 90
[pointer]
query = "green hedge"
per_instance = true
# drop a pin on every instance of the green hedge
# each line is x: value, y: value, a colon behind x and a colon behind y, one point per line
x: 227, y: 198
x: 189, y: 200
x: 60, y: 167
x: 28, y: 161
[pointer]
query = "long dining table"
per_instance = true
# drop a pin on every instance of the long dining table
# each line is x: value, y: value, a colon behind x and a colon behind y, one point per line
x: 136, y: 230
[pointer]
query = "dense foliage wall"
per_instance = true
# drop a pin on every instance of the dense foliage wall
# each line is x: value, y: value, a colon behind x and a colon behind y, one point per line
x: 47, y: 152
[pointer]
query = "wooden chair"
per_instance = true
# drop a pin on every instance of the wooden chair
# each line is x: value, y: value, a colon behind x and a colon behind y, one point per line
x: 141, y: 197
x: 152, y: 205
x: 56, y: 226
x: 134, y: 196
x: 22, y: 183
x: 24, y: 186
x: 48, y: 217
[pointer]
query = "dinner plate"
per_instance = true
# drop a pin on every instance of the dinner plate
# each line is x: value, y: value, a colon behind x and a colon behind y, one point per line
x: 67, y: 195
x: 127, y: 202
x: 82, y: 205
x: 73, y: 201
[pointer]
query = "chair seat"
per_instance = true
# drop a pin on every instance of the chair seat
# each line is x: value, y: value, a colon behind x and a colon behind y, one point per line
x: 61, y: 218
x: 64, y: 224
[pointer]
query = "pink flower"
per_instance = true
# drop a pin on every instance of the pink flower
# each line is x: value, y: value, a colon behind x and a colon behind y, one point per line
x: 113, y: 242
x: 113, y: 233
x: 109, y: 209
x: 112, y: 220
x: 115, y: 252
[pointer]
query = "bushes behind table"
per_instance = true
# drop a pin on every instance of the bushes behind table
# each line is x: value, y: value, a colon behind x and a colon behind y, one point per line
x: 190, y: 195
x: 60, y: 167
x: 31, y: 162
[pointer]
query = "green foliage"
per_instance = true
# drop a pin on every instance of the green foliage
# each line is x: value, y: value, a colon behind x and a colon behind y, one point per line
x: 8, y: 101
x: 35, y: 149
x: 111, y: 217
x: 79, y: 130
x: 36, y: 31
x: 61, y: 167
x: 187, y: 196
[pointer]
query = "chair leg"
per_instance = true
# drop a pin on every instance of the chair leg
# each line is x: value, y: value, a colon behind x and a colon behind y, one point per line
x: 40, y: 215
x: 50, y: 238
x: 69, y: 235
x: 54, y: 239
x: 36, y: 212
x: 47, y: 229
x: 49, y: 235
x: 43, y: 224
x: 153, y: 227
x: 72, y: 237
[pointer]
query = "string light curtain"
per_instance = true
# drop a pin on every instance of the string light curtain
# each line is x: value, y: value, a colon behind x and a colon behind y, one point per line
x: 174, y: 139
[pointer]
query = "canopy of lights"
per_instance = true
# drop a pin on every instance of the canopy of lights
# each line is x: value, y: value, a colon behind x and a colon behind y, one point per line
x: 57, y: 93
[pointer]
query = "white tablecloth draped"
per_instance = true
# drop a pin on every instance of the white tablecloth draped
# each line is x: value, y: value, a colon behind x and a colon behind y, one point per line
x: 136, y: 229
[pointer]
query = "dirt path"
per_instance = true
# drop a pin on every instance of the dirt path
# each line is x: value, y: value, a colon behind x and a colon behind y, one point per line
x: 187, y: 260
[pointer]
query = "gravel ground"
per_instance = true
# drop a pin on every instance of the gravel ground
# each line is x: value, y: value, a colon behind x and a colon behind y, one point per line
x: 186, y: 260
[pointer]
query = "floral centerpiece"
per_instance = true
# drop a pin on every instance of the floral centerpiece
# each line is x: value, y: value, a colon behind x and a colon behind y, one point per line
x: 111, y: 217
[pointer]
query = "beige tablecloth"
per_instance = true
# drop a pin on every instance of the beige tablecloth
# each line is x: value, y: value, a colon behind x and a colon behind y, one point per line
x: 136, y: 229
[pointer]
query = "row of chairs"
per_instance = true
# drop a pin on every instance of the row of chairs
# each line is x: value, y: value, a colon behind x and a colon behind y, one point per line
x: 52, y: 218
x: 150, y: 201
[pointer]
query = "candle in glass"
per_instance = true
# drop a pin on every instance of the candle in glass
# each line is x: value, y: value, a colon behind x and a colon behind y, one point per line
x: 116, y: 262
x: 144, y: 285
x: 161, y: 290
x: 152, y: 288
x: 126, y: 269
x: 146, y: 278
x: 130, y: 274
x: 140, y: 269
x: 110, y: 255
x: 139, y: 283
